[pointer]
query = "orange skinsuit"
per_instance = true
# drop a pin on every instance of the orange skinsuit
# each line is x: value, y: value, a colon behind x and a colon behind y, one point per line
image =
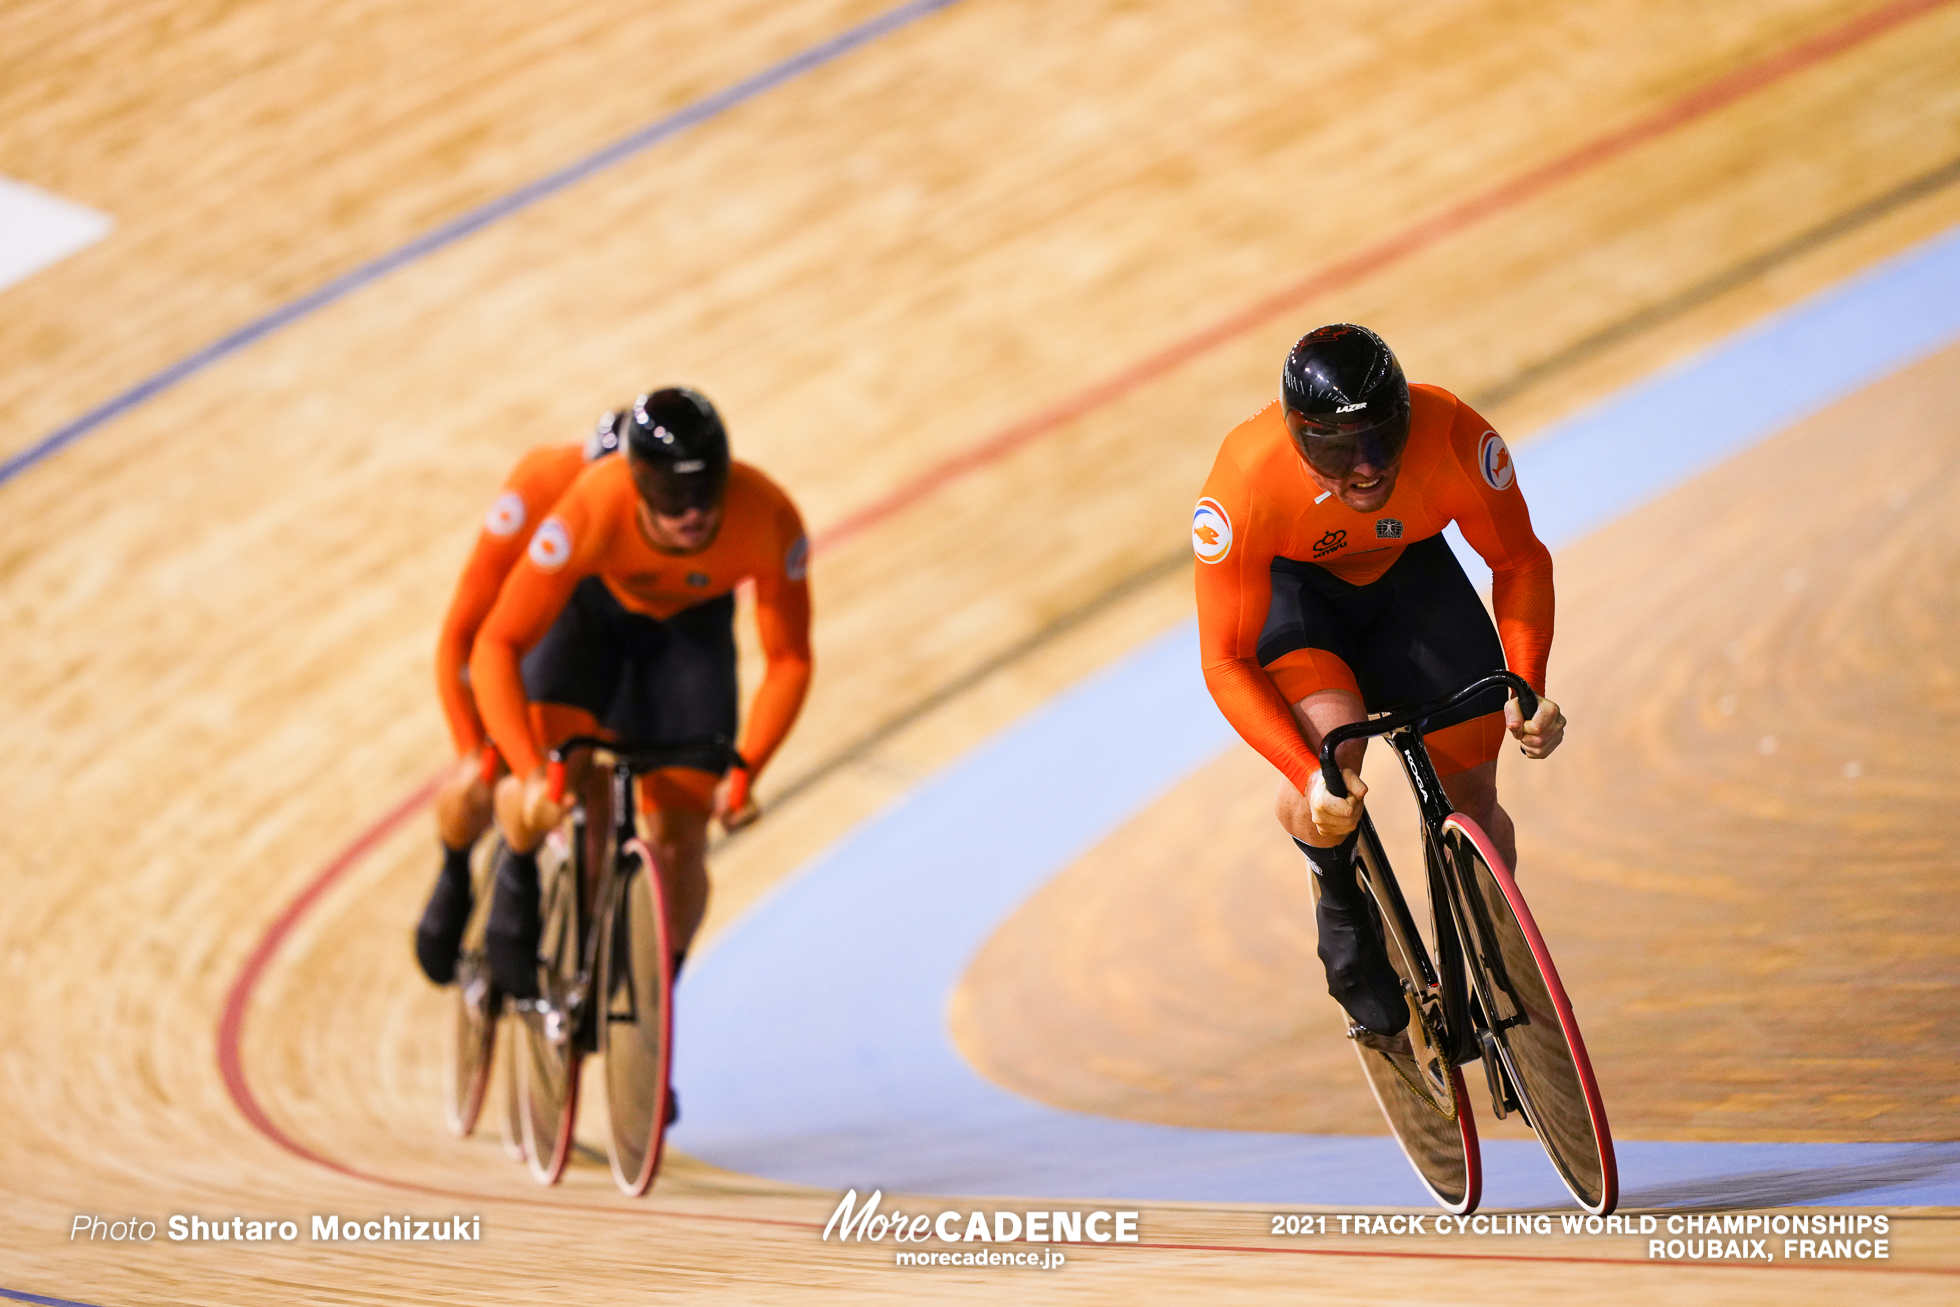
x: 1272, y: 508
x: 532, y: 487
x: 594, y: 530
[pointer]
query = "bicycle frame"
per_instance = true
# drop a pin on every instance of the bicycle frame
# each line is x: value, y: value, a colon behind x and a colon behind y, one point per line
x: 1445, y: 1005
x: 629, y: 761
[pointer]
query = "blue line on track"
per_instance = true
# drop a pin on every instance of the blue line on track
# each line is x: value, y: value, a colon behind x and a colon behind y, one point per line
x: 813, y: 1043
x: 475, y: 220
x: 18, y: 1296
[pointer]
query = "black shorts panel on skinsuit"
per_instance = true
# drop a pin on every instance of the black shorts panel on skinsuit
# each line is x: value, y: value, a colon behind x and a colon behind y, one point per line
x: 1416, y: 633
x: 646, y: 680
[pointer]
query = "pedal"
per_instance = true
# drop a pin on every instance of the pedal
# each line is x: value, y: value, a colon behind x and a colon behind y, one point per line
x: 1392, y: 1045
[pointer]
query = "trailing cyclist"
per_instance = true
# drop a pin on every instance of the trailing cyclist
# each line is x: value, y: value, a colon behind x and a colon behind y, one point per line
x: 1326, y: 592
x: 463, y: 797
x: 620, y: 618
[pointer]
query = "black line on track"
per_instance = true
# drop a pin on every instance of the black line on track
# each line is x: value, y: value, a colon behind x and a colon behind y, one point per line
x: 866, y: 744
x: 1579, y: 351
x: 1731, y: 278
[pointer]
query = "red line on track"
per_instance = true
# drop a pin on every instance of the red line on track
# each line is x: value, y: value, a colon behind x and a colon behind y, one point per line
x: 231, y: 1025
x: 1698, y: 104
x: 1390, y: 250
x: 231, y: 1028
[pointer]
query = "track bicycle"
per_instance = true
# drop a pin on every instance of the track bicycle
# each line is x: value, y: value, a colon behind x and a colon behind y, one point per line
x: 605, y: 965
x: 474, y: 1041
x: 479, y: 1000
x: 1489, y: 992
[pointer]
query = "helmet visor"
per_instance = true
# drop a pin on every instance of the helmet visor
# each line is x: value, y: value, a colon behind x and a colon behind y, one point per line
x: 1335, y: 449
x: 672, y: 492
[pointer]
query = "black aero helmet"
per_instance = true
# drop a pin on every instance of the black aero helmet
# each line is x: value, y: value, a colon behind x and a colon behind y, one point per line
x: 1347, y: 402
x: 678, y: 437
x: 607, y: 435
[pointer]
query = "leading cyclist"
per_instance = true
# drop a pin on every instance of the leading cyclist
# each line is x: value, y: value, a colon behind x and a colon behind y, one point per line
x: 1326, y: 592
x: 641, y: 556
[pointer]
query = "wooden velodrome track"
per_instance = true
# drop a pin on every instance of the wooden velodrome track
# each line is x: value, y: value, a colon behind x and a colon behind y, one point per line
x: 984, y: 293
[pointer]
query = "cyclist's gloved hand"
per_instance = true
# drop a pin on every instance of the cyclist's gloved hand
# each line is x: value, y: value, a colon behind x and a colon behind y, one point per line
x: 734, y: 808
x: 1543, y: 733
x: 1336, y: 818
x: 525, y: 810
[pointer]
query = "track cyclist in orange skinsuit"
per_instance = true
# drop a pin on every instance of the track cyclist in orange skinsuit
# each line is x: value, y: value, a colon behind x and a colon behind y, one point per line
x: 621, y: 617
x: 1326, y: 592
x: 463, y: 798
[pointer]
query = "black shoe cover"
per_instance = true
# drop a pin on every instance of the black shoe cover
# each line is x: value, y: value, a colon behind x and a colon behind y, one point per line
x: 1358, y: 972
x: 511, y: 942
x: 673, y: 1105
x: 440, y: 932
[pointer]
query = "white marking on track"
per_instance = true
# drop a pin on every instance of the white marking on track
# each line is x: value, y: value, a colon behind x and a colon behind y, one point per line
x: 38, y: 230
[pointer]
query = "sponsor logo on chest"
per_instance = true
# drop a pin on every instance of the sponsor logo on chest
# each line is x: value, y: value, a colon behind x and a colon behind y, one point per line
x: 1331, y: 543
x: 1388, y: 528
x: 644, y: 584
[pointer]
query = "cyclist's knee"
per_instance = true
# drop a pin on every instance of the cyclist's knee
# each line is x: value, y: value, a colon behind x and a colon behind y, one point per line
x: 1473, y: 791
x: 1294, y: 814
x: 462, y: 804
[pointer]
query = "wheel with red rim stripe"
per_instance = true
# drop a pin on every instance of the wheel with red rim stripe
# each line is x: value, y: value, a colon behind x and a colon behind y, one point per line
x: 636, y: 1022
x: 548, y: 1065
x: 473, y: 1032
x: 513, y: 1113
x: 1427, y: 1111
x: 1537, y: 1036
